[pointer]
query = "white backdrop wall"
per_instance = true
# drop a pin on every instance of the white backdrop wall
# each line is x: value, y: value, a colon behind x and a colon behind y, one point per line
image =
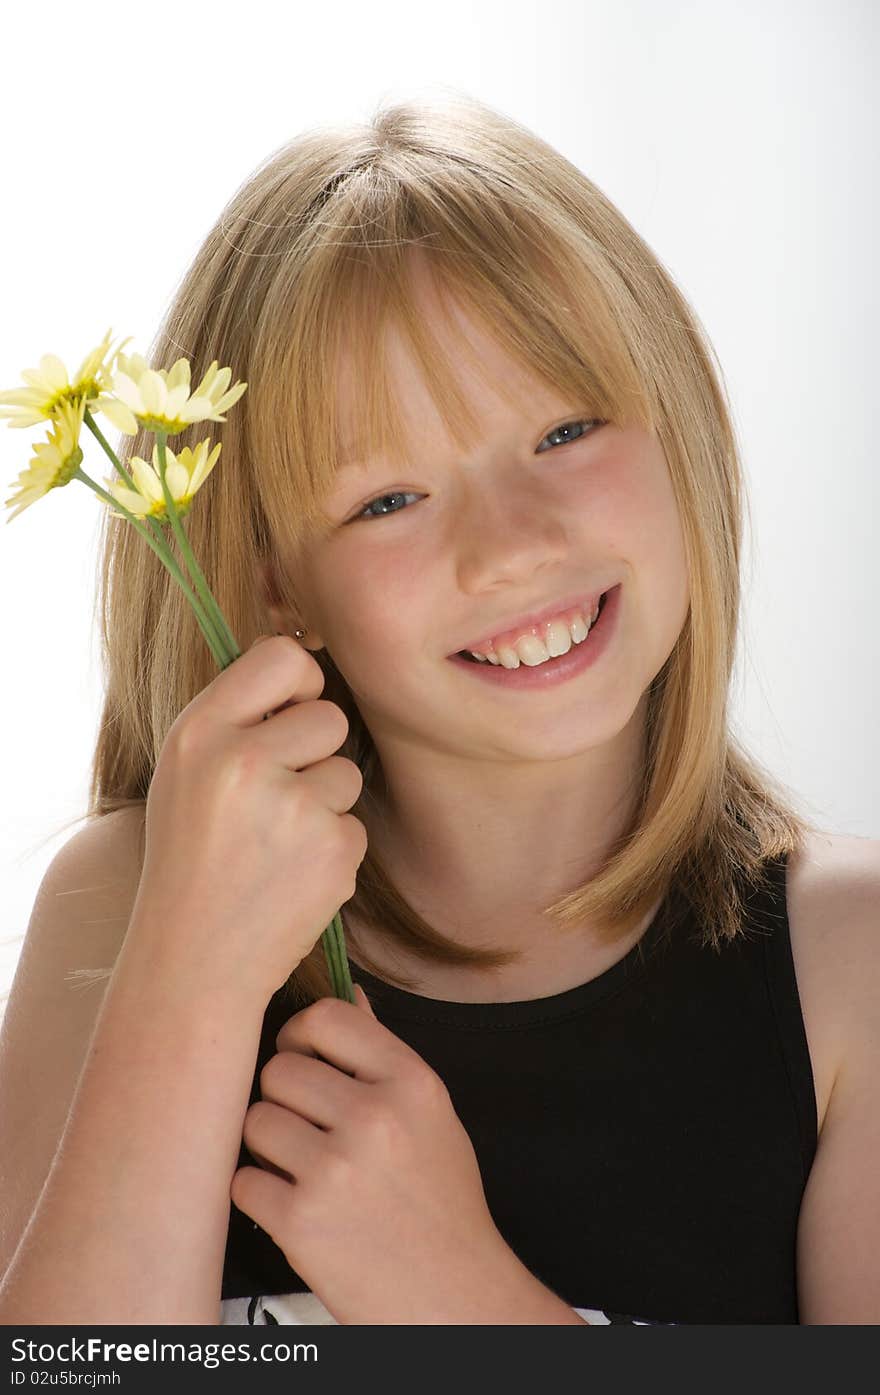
x: 741, y: 143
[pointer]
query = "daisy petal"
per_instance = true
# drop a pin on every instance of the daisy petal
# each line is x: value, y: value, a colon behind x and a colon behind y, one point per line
x: 118, y: 413
x: 177, y: 479
x: 46, y: 453
x: 204, y: 466
x: 207, y: 383
x: 23, y: 501
x: 176, y: 399
x: 92, y: 361
x: 178, y: 375
x: 146, y: 479
x: 153, y: 393
x: 25, y: 397
x: 53, y: 371
x: 36, y: 379
x: 20, y: 417
x: 126, y: 389
x: 135, y: 503
x: 230, y: 397
x: 221, y: 382
x: 197, y: 409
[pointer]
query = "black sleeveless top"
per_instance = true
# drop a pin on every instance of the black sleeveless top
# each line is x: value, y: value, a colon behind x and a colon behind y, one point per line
x: 644, y: 1138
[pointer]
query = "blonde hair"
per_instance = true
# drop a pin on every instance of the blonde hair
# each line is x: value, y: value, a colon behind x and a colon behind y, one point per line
x: 312, y: 256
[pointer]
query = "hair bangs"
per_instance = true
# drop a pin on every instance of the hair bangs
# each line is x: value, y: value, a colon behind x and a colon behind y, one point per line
x: 329, y: 404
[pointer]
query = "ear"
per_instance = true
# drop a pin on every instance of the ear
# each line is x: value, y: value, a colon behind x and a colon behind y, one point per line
x: 279, y: 621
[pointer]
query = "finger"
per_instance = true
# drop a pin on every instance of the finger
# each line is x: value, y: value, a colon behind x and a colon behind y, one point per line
x: 263, y: 1161
x: 284, y: 1139
x: 313, y: 1089
x: 302, y: 733
x: 261, y: 679
x: 269, y: 1166
x: 263, y: 1197
x: 346, y: 1036
x: 336, y: 782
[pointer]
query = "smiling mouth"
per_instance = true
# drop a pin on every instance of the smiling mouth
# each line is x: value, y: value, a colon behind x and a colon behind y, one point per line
x: 468, y: 656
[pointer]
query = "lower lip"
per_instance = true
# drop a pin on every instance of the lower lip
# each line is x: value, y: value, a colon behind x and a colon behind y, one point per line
x: 578, y: 658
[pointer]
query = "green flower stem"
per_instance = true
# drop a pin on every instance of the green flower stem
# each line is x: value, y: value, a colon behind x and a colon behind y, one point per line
x: 340, y: 973
x: 205, y: 613
x: 195, y: 571
x: 117, y: 464
x: 165, y: 557
x: 220, y: 640
x: 108, y: 449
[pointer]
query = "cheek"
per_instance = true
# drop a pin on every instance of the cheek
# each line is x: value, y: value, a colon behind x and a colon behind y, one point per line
x: 361, y: 587
x: 617, y: 511
x: 631, y: 512
x: 660, y: 555
x: 385, y: 590
x: 669, y: 544
x: 379, y: 609
x: 634, y: 508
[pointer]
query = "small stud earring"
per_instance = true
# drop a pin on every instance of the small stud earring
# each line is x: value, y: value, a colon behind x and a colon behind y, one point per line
x: 300, y: 634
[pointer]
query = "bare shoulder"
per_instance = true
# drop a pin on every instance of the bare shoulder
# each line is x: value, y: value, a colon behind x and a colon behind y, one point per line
x: 84, y: 901
x: 76, y: 929
x: 834, y: 915
x: 102, y: 858
x: 833, y: 900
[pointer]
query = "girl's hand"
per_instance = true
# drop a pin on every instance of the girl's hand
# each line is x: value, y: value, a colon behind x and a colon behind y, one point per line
x: 249, y: 849
x: 378, y: 1202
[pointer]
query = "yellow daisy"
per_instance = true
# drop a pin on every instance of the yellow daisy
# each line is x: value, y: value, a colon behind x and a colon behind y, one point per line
x: 161, y: 399
x: 185, y: 473
x: 48, y: 386
x: 56, y: 460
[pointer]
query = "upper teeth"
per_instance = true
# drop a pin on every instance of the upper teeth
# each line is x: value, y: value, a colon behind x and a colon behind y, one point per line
x: 529, y: 649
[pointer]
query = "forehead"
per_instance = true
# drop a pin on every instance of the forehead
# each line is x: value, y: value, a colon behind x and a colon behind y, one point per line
x: 492, y: 382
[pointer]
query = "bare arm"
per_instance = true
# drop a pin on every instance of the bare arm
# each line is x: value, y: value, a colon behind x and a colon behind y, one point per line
x: 126, y: 1219
x: 131, y: 1224
x: 838, y: 1250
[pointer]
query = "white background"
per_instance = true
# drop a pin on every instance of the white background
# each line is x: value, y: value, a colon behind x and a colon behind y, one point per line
x: 739, y: 140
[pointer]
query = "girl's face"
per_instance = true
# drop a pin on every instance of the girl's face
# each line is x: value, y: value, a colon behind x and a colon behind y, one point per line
x: 425, y: 559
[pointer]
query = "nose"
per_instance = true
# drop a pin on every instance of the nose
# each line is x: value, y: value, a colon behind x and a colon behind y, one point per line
x: 504, y: 535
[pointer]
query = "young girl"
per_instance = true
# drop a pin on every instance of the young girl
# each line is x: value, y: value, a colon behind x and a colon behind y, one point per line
x: 617, y: 1054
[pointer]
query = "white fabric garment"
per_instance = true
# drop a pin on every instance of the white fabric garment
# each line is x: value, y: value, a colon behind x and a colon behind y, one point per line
x: 304, y: 1309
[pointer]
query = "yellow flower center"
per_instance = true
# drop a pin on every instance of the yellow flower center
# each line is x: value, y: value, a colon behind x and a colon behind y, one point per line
x: 87, y: 388
x: 170, y: 426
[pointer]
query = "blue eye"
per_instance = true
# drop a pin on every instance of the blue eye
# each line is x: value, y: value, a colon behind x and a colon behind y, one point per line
x: 591, y: 422
x: 566, y: 426
x: 398, y: 494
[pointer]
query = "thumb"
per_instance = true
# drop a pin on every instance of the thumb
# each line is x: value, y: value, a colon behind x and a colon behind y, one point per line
x: 362, y: 1001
